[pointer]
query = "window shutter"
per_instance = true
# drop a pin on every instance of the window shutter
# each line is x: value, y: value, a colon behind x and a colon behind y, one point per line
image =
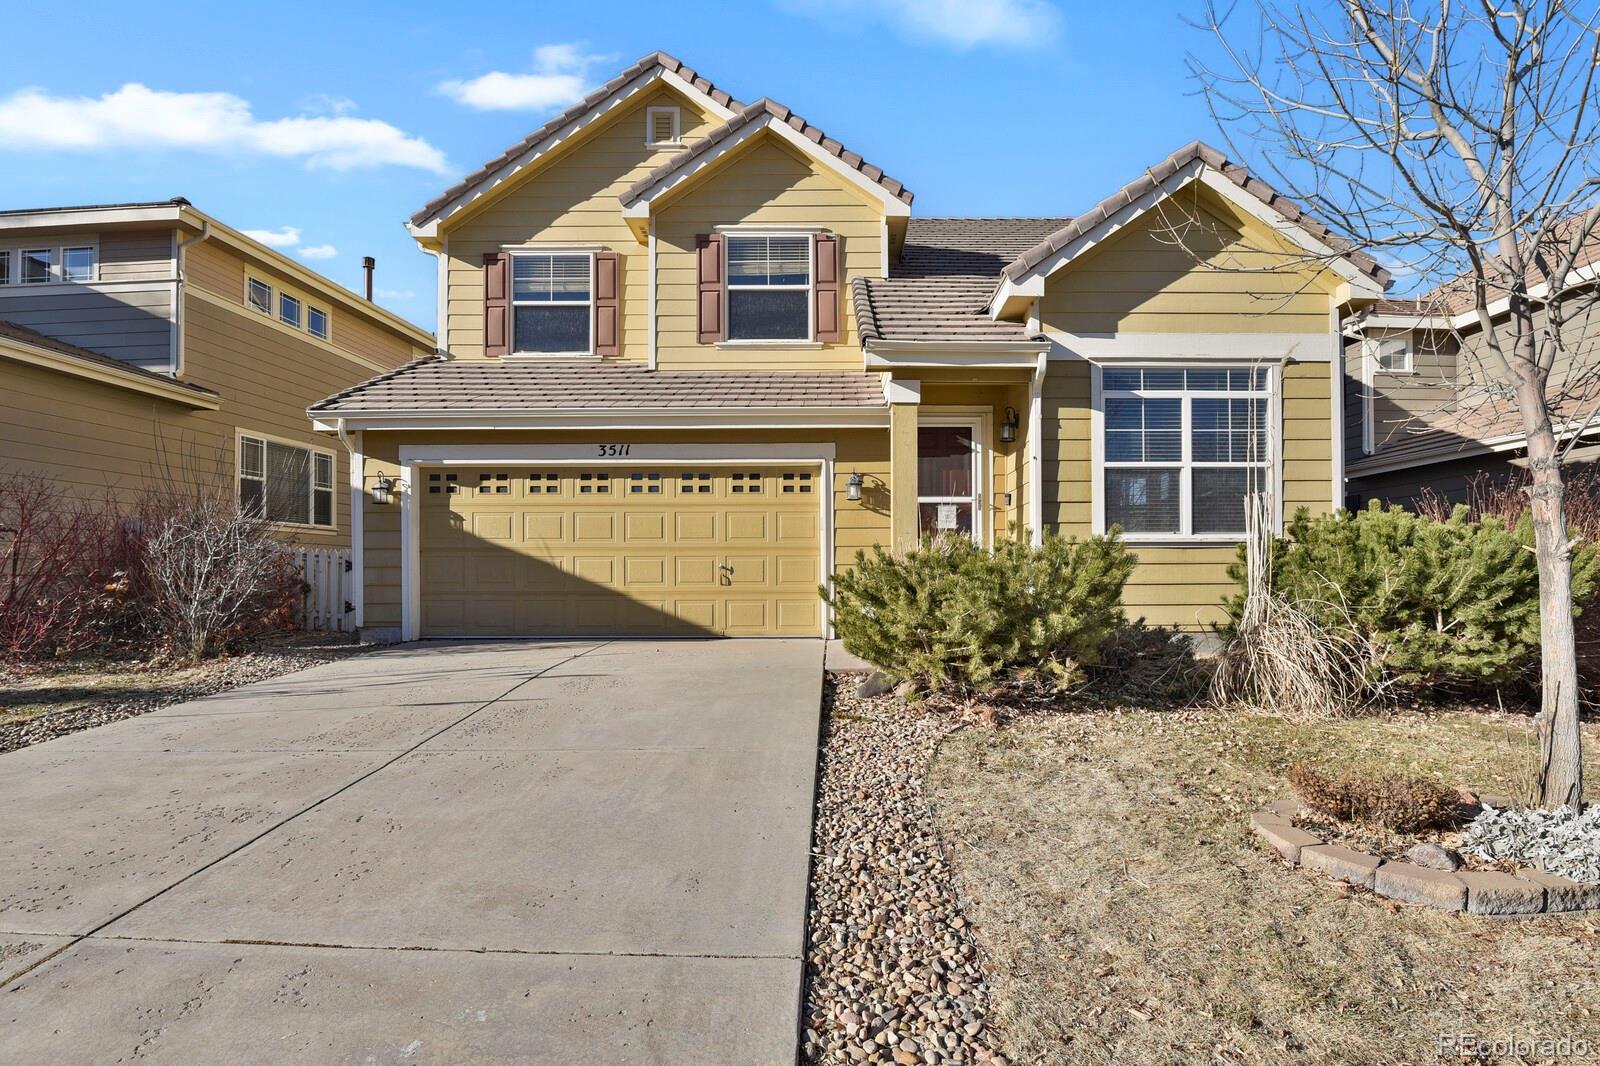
x: 607, y: 303
x: 825, y: 286
x: 713, y: 287
x: 496, y: 303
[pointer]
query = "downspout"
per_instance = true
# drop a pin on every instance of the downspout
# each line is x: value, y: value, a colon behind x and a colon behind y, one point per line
x: 355, y: 606
x: 177, y: 294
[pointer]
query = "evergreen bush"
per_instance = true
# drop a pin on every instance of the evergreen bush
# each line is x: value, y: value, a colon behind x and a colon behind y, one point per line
x: 951, y: 614
x: 1451, y: 601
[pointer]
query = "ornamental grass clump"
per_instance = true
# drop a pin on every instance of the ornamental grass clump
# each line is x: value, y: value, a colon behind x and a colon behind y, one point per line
x: 952, y: 615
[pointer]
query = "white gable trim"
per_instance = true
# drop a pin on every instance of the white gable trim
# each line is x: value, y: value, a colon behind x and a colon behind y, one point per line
x: 509, y: 171
x: 1031, y: 284
x: 640, y: 206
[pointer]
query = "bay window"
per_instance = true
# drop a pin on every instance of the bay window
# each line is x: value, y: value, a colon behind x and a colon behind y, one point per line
x: 284, y: 482
x: 769, y: 287
x: 552, y: 303
x: 1182, y: 448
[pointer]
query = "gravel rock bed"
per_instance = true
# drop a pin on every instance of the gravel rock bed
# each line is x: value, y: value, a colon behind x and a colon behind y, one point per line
x: 1561, y: 842
x: 892, y: 972
x: 224, y: 674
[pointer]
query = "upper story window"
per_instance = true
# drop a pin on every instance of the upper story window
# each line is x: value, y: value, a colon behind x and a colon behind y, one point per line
x: 77, y: 264
x: 552, y: 303
x: 260, y: 296
x: 36, y: 264
x: 769, y: 287
x: 5, y: 266
x: 284, y: 482
x: 317, y: 322
x: 663, y: 127
x: 288, y: 310
x: 1391, y: 355
x: 1183, y: 448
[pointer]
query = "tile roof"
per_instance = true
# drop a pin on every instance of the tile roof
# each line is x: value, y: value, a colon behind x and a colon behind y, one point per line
x: 573, y: 385
x: 1150, y: 179
x: 532, y: 141
x: 939, y: 287
x: 39, y: 340
x: 760, y: 110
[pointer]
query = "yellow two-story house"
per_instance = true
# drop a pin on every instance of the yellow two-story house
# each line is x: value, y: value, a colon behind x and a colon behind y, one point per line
x: 694, y: 353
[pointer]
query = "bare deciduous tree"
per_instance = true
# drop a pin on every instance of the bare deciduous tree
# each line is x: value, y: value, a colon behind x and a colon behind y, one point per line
x: 1457, y: 143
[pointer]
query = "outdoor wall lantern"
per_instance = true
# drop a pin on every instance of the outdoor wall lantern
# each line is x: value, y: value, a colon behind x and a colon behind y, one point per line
x: 384, y: 489
x: 852, y: 488
x: 1008, y: 426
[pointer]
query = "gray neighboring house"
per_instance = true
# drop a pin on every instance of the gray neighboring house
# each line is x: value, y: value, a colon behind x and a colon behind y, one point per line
x: 1422, y: 418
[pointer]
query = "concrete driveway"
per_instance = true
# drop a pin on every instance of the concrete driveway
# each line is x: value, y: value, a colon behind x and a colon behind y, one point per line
x: 511, y: 851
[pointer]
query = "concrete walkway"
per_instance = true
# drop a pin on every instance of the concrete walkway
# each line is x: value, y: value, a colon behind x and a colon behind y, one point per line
x: 509, y: 852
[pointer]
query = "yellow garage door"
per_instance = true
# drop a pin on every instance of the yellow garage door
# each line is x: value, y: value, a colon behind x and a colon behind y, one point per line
x: 621, y: 550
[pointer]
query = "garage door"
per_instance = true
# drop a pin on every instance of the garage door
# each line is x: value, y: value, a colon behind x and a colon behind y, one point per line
x: 620, y: 550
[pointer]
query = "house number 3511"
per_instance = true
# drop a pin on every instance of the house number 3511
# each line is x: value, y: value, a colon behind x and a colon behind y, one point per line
x: 613, y: 451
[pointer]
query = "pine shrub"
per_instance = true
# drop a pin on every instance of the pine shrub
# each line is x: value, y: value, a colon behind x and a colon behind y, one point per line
x: 1388, y: 801
x: 951, y: 614
x: 1442, y: 602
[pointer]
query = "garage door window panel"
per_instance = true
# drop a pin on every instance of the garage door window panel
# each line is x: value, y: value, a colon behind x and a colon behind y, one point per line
x: 552, y: 304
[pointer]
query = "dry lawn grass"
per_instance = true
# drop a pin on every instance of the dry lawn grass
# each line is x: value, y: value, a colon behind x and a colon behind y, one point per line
x: 1130, y: 916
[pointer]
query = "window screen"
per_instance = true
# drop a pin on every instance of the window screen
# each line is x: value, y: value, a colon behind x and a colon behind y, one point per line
x: 551, y: 300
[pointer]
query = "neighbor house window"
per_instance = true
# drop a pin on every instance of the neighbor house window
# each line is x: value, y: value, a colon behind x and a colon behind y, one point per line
x: 1183, y: 448
x: 552, y: 303
x: 285, y: 483
x: 77, y: 264
x: 317, y: 322
x: 35, y: 266
x: 769, y: 288
x: 1391, y: 355
x: 261, y: 296
x: 5, y: 266
x: 288, y: 310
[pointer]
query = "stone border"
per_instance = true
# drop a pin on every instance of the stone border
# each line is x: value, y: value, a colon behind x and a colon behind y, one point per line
x: 1526, y: 893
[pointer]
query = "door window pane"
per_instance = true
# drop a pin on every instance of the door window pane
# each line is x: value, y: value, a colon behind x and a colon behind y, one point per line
x: 936, y: 518
x: 944, y: 461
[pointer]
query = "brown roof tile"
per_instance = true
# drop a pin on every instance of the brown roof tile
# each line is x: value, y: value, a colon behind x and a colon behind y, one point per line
x: 1163, y: 170
x: 532, y: 141
x: 762, y: 109
x: 940, y: 286
x: 60, y: 347
x: 571, y: 385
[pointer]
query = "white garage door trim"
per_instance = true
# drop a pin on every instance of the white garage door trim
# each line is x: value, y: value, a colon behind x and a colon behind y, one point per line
x: 416, y: 456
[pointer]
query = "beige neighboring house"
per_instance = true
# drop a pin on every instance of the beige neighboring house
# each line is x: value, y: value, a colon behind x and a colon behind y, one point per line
x: 1425, y: 417
x: 695, y: 353
x: 148, y: 343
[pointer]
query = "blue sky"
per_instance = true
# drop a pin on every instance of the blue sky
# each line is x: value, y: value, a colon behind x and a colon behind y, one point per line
x: 328, y: 124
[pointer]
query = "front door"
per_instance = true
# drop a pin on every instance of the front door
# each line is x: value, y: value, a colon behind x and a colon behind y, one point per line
x: 948, y: 493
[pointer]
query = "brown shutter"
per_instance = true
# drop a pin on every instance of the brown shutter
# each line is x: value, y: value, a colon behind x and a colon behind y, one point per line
x: 825, y: 287
x: 496, y: 303
x: 713, y: 287
x: 607, y: 303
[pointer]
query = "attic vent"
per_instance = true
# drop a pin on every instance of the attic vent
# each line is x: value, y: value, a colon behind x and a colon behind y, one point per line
x: 661, y: 126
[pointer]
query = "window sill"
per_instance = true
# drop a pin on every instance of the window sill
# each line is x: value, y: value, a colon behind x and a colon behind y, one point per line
x: 768, y: 344
x: 305, y: 527
x: 534, y: 357
x: 1180, y: 540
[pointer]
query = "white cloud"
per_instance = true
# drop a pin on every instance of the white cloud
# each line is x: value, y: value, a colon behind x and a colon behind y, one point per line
x: 136, y: 116
x: 287, y: 237
x: 397, y: 295
x: 961, y: 23
x: 559, y: 77
x: 317, y: 251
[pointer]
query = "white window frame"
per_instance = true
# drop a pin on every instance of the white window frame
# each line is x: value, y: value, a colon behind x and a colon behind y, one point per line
x: 1373, y: 349
x: 731, y: 235
x: 327, y: 322
x: 249, y: 290
x: 299, y: 322
x: 51, y: 272
x: 1186, y: 464
x: 94, y: 263
x: 512, y: 303
x: 6, y: 257
x: 650, y: 114
x: 314, y: 454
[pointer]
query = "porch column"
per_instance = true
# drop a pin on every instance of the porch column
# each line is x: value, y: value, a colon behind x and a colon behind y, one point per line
x: 904, y: 398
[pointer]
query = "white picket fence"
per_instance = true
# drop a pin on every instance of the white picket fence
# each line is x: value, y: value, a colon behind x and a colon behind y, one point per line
x: 327, y: 576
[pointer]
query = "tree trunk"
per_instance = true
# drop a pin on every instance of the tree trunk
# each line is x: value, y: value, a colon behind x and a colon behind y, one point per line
x: 1560, y: 765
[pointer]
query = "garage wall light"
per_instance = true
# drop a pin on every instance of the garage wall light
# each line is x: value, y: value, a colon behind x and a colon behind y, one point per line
x: 384, y: 489
x: 852, y: 488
